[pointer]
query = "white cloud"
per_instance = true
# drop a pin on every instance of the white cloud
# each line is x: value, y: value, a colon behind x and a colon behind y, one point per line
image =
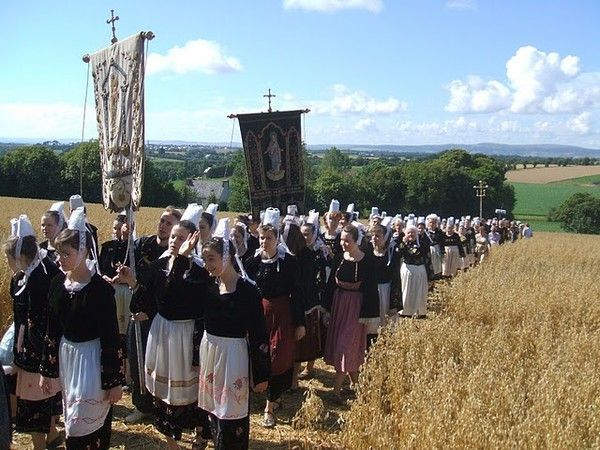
x: 476, y: 95
x: 346, y: 102
x: 534, y: 74
x: 195, y: 56
x: 580, y: 124
x: 461, y: 4
x: 373, y: 6
x: 537, y: 82
x: 46, y: 120
x: 366, y: 124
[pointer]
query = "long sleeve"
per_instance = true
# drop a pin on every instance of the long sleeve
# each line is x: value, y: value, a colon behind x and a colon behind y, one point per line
x: 143, y: 299
x: 112, y: 371
x: 296, y: 291
x: 258, y: 338
x: 327, y: 298
x: 49, y: 364
x: 38, y: 313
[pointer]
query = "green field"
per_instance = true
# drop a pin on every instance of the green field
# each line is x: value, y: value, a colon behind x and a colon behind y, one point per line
x: 533, y: 201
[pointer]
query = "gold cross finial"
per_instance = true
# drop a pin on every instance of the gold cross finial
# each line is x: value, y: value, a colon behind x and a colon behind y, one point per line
x: 269, y: 95
x: 112, y: 21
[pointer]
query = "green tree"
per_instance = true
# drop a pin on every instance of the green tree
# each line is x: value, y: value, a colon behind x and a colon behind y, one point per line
x: 84, y: 159
x: 580, y: 213
x: 157, y: 191
x: 239, y: 196
x: 381, y: 185
x: 31, y: 172
x: 333, y: 184
x: 336, y: 160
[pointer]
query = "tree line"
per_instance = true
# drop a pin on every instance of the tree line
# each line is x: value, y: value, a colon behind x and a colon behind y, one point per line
x: 443, y: 184
x: 39, y: 172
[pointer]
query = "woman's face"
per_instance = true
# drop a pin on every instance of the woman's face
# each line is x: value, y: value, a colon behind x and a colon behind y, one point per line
x: 68, y: 258
x: 421, y: 228
x: 237, y: 237
x: 49, y: 227
x: 178, y: 236
x: 268, y: 241
x: 411, y: 234
x: 379, y: 238
x: 347, y: 242
x: 332, y: 223
x: 213, y: 261
x: 117, y: 229
x: 398, y: 226
x: 204, y: 229
x: 307, y: 232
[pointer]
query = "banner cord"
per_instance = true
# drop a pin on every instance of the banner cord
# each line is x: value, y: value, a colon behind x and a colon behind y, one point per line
x: 87, y: 87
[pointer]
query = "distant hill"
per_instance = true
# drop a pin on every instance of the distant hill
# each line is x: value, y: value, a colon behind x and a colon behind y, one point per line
x: 541, y: 150
x: 488, y: 148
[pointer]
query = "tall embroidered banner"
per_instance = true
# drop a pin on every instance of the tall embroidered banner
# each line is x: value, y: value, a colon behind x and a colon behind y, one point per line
x: 118, y: 74
x: 273, y: 150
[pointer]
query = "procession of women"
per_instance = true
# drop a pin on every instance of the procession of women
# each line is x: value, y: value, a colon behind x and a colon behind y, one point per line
x: 211, y: 312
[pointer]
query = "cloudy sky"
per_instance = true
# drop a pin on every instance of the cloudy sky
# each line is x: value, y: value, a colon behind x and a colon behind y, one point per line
x: 370, y: 71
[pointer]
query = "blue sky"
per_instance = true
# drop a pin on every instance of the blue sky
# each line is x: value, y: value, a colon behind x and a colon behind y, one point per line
x: 371, y: 71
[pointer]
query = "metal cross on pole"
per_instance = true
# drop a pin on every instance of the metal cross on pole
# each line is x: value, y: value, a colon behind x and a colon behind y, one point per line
x: 112, y: 21
x: 480, y: 192
x: 269, y: 95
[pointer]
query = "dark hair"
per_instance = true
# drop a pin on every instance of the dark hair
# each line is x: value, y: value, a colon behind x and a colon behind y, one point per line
x: 187, y: 225
x: 255, y: 219
x: 216, y: 244
x: 173, y: 212
x: 334, y: 215
x: 209, y: 218
x: 352, y: 231
x: 243, y: 218
x: 295, y: 240
x: 268, y: 227
x: 70, y: 238
x: 55, y: 216
x: 28, y: 247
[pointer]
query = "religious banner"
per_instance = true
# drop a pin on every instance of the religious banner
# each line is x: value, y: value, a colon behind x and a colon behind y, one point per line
x: 118, y: 74
x: 273, y: 149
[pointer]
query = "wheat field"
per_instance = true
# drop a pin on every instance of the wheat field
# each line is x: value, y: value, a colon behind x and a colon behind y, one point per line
x: 542, y: 175
x: 509, y: 357
x: 511, y: 361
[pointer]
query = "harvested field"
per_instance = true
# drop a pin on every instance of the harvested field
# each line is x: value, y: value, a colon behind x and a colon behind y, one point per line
x: 541, y: 175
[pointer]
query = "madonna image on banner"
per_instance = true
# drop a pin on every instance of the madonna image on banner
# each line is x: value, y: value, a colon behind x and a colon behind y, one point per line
x: 273, y: 152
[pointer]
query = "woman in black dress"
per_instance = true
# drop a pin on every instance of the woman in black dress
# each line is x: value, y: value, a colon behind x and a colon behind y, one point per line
x: 37, y: 411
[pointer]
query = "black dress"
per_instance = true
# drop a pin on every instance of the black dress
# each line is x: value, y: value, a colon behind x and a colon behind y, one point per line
x: 175, y: 295
x: 313, y: 278
x: 237, y: 315
x: 146, y: 251
x: 80, y: 317
x: 30, y: 315
x: 283, y: 309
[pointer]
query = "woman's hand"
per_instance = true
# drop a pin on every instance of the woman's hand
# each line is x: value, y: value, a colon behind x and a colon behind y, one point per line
x: 125, y: 275
x: 45, y: 384
x: 113, y: 395
x: 261, y: 387
x: 139, y: 316
x: 189, y: 244
x: 300, y: 332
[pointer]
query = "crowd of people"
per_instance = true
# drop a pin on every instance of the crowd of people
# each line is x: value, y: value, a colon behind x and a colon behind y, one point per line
x: 194, y: 318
